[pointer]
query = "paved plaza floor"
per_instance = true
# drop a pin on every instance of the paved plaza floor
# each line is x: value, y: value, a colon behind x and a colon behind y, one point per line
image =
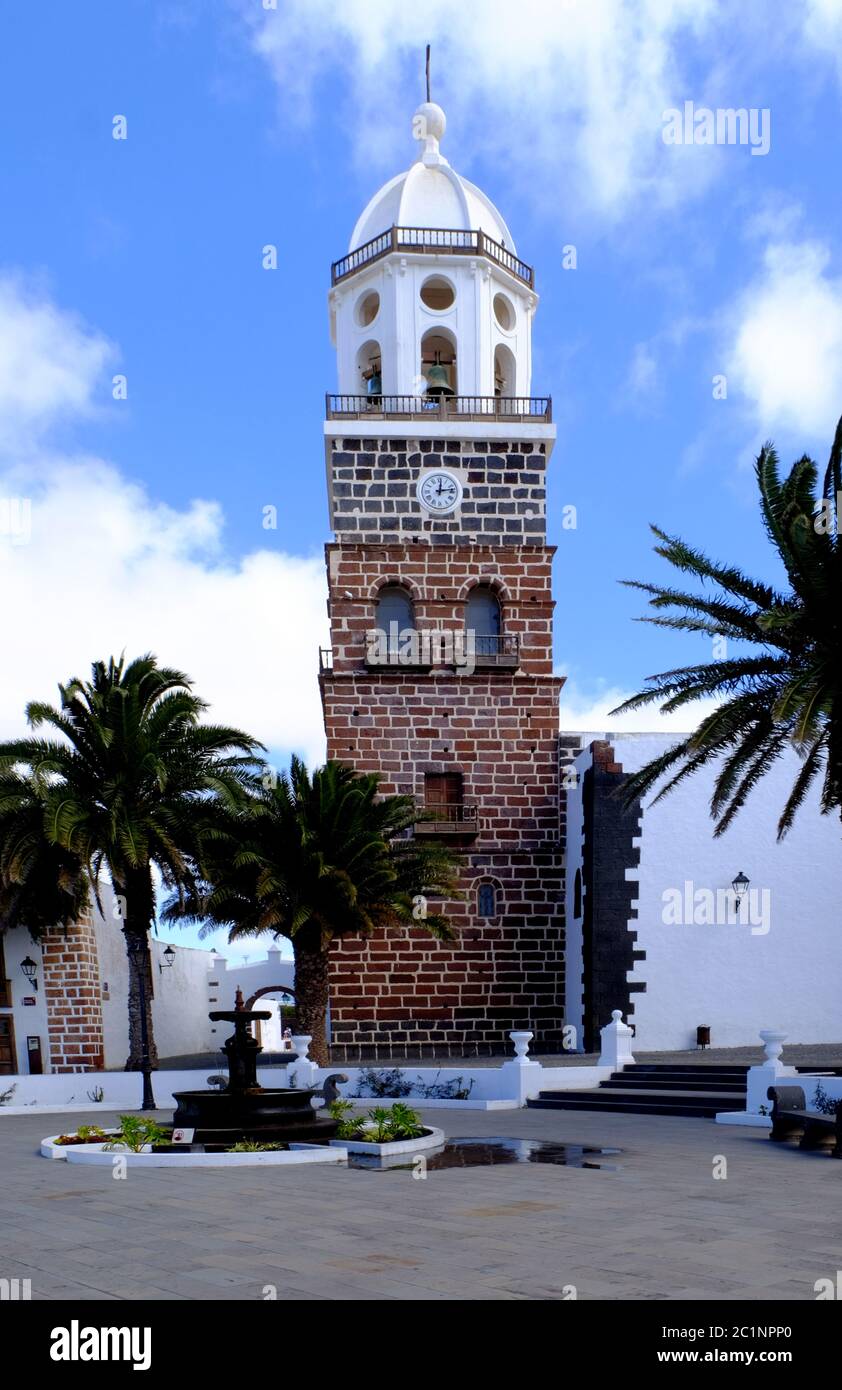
x: 660, y: 1227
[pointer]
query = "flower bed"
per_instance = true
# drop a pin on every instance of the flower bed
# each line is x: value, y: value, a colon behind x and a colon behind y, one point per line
x: 98, y: 1155
x: 382, y: 1132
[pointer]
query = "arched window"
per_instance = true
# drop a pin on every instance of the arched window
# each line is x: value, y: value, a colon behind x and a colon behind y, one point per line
x: 487, y: 900
x: 504, y: 371
x: 438, y: 364
x: 484, y: 618
x: 369, y: 366
x: 577, y: 894
x: 394, y: 613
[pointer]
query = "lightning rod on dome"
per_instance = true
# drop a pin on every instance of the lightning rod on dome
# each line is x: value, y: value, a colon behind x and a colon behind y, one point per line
x: 429, y: 98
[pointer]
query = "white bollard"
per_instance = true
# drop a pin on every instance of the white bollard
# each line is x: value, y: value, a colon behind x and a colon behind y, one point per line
x: 760, y: 1078
x: 615, y: 1046
x: 305, y: 1071
x: 520, y: 1075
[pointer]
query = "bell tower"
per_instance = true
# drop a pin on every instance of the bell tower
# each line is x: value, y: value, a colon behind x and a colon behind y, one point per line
x: 439, y: 676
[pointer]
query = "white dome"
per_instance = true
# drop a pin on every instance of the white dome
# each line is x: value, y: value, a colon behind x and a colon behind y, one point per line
x: 430, y: 193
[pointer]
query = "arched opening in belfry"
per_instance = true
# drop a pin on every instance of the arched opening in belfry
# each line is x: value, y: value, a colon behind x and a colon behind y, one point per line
x: 504, y: 371
x: 438, y: 362
x: 370, y: 368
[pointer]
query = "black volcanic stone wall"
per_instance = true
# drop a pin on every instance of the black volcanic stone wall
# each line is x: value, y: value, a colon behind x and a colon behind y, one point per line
x: 373, y: 487
x: 608, y: 942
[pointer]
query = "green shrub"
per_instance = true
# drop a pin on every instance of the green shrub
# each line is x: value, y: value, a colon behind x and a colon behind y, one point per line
x: 251, y: 1146
x: 380, y: 1126
x: 135, y: 1131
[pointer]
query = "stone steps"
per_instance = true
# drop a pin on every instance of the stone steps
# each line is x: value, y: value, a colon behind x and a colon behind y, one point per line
x: 660, y: 1089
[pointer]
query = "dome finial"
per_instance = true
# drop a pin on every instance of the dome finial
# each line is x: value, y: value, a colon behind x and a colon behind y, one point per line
x: 429, y: 124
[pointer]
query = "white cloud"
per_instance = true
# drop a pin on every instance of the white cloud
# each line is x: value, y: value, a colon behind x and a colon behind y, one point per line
x: 588, y: 708
x: 97, y: 566
x: 823, y: 27
x: 785, y: 353
x: 107, y: 569
x: 50, y: 362
x: 575, y: 89
x: 642, y: 377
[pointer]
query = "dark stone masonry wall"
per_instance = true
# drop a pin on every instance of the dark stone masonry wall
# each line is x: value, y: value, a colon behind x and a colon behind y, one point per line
x: 609, y: 943
x: 372, y: 484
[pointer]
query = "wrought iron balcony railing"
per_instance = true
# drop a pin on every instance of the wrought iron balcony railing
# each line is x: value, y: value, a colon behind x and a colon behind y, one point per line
x: 537, y: 409
x: 433, y: 241
x: 435, y: 647
x: 448, y: 820
x: 500, y: 650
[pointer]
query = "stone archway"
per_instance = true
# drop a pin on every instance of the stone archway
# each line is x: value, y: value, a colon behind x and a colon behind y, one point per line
x: 272, y: 989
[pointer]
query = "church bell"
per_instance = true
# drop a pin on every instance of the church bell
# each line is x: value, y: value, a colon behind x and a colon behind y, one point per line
x: 438, y: 379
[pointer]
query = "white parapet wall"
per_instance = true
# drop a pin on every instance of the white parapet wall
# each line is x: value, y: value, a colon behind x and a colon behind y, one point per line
x: 773, y: 1072
x: 506, y: 1086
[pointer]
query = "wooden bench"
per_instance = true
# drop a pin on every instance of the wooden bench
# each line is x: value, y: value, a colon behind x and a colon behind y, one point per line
x: 792, y: 1120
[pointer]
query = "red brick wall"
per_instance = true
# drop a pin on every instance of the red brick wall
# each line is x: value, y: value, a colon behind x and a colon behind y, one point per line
x: 73, y: 995
x: 410, y: 995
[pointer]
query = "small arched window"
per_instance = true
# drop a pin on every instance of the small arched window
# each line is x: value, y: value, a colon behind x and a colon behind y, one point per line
x: 484, y: 618
x: 577, y: 894
x: 487, y: 900
x: 394, y: 613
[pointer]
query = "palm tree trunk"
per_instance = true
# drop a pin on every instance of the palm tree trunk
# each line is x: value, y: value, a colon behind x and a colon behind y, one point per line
x: 138, y: 912
x: 312, y: 958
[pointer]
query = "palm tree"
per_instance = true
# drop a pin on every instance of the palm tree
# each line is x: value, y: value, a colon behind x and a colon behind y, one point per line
x: 787, y: 692
x: 314, y: 858
x: 130, y: 780
x: 42, y: 885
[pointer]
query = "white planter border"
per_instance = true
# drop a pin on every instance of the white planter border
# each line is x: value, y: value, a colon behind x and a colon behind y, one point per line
x: 432, y: 1140
x: 98, y: 1156
x: 50, y: 1148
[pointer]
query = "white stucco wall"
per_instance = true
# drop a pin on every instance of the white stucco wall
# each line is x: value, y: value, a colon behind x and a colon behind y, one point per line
x: 730, y: 977
x: 403, y: 320
x: 30, y: 1020
x: 182, y: 997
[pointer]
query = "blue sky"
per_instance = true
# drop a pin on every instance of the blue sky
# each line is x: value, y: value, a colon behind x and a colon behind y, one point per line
x: 250, y: 124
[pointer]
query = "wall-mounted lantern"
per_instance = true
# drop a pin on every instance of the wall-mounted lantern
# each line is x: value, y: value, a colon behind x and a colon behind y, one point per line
x: 740, y: 887
x: 168, y: 959
x: 30, y: 970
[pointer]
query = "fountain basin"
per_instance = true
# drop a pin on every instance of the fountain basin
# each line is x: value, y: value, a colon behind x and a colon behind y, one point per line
x: 267, y: 1115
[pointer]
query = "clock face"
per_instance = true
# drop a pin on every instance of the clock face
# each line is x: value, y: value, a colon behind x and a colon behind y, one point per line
x: 438, y: 491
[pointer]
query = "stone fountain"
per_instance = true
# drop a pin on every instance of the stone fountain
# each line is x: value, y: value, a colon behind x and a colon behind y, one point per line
x: 245, y: 1109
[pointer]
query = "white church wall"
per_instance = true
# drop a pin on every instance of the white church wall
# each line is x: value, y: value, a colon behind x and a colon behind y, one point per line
x: 181, y: 999
x: 781, y: 971
x: 30, y: 1019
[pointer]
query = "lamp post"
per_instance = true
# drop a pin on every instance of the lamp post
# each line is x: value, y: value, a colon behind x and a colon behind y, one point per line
x: 740, y: 887
x: 30, y: 970
x: 138, y: 953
